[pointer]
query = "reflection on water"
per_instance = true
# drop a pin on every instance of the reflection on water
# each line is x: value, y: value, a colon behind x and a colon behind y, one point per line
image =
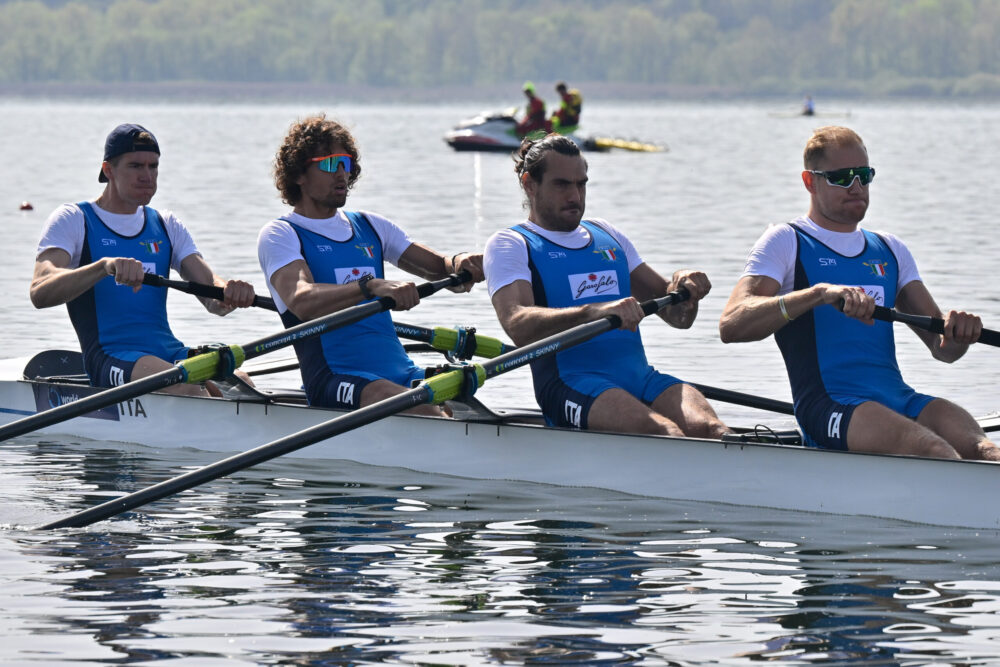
x: 337, y: 563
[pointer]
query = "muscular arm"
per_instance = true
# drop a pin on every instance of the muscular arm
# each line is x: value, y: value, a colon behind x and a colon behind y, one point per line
x: 308, y: 299
x: 421, y: 261
x: 526, y: 323
x: 54, y: 283
x: 753, y: 311
x: 238, y: 294
x: 960, y: 328
x: 648, y: 284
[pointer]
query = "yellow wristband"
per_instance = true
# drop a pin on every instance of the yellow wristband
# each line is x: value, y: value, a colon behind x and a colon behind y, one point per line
x: 784, y: 311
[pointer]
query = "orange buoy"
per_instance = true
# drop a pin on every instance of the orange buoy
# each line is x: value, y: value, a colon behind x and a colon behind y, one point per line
x: 26, y: 206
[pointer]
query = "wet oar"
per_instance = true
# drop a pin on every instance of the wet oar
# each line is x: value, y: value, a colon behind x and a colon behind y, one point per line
x: 200, y: 289
x: 436, y: 389
x: 219, y: 362
x: 932, y: 324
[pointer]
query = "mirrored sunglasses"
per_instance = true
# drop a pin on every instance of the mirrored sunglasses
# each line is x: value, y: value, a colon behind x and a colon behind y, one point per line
x: 331, y: 163
x: 844, y: 178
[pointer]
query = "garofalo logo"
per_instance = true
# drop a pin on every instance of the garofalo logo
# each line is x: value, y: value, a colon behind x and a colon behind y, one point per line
x: 596, y: 283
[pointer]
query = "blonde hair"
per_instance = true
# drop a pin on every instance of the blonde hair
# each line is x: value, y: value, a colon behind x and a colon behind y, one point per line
x: 823, y: 138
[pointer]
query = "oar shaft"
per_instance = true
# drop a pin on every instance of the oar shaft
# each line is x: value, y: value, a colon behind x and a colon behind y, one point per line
x: 578, y: 334
x: 749, y: 400
x: 200, y: 289
x: 932, y: 324
x: 291, y: 443
x: 39, y: 420
x: 342, y: 318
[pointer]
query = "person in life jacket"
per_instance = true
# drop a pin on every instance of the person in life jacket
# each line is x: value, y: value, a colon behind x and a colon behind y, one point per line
x: 319, y: 258
x: 93, y: 256
x: 567, y: 117
x: 814, y: 284
x: 534, y: 113
x: 555, y: 271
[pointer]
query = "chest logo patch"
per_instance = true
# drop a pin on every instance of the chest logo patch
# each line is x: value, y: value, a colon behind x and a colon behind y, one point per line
x: 367, y: 250
x: 152, y: 247
x: 877, y: 267
x: 351, y: 274
x: 608, y: 254
x: 593, y: 284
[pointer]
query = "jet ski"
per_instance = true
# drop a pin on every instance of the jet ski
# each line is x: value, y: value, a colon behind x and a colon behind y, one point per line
x: 496, y: 132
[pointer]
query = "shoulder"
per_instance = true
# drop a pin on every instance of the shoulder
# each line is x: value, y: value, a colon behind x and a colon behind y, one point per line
x: 505, y: 239
x: 274, y: 230
x: 65, y: 214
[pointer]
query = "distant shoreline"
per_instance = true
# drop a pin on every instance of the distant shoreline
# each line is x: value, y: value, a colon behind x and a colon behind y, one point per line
x: 506, y: 94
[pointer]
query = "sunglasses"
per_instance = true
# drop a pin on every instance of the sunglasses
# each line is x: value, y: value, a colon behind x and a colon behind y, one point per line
x: 844, y: 178
x: 331, y: 163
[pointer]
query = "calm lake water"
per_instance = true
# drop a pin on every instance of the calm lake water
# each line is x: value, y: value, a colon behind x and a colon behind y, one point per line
x: 347, y: 564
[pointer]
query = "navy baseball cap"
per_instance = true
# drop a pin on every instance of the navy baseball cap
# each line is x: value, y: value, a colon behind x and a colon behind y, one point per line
x: 126, y: 139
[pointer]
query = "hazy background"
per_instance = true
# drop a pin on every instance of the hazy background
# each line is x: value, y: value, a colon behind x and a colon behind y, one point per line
x: 447, y: 48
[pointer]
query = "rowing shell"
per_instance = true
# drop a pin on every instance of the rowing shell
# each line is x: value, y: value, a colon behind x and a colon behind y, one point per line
x: 515, y: 446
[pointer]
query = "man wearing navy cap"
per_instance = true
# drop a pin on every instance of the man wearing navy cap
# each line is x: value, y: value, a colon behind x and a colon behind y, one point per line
x: 93, y: 255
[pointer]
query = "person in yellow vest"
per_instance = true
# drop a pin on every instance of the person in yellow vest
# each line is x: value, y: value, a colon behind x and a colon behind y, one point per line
x: 567, y: 116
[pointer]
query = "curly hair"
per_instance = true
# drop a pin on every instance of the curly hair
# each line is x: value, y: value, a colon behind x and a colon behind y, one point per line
x: 827, y: 137
x: 308, y: 138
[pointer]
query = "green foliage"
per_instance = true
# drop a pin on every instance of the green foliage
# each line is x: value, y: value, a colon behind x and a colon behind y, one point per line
x: 764, y: 46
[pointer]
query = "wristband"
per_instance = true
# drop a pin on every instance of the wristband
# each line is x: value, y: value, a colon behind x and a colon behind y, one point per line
x: 784, y: 311
x: 363, y: 284
x: 454, y: 267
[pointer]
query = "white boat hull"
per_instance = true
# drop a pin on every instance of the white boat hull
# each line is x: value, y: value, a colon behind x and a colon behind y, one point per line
x: 951, y: 493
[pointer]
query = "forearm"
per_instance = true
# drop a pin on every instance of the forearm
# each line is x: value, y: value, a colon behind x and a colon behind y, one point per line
x: 528, y: 324
x: 312, y: 300
x: 757, y: 317
x: 53, y: 286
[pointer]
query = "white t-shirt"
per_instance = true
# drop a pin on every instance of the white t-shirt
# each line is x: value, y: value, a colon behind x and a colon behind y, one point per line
x: 65, y: 229
x: 278, y: 245
x: 774, y: 253
x: 506, y: 256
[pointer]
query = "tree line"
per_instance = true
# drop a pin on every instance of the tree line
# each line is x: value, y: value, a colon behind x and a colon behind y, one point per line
x: 942, y: 47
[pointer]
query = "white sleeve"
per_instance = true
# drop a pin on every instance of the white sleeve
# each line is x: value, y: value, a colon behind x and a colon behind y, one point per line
x: 65, y: 229
x: 773, y: 255
x: 505, y: 260
x: 394, y: 240
x: 904, y: 258
x: 181, y: 243
x: 631, y: 254
x: 277, y: 246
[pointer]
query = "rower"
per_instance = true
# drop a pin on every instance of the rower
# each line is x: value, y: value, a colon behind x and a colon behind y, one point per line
x: 319, y: 259
x: 93, y: 255
x: 814, y: 283
x: 555, y: 271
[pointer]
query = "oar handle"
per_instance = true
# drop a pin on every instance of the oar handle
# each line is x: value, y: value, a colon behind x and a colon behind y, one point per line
x: 656, y: 305
x: 932, y: 324
x: 200, y: 289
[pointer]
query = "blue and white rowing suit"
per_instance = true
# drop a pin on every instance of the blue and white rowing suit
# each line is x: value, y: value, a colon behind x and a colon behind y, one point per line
x: 567, y: 383
x: 836, y: 362
x: 116, y: 325
x: 338, y: 365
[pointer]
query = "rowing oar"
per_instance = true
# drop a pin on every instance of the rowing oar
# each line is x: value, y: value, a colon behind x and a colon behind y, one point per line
x: 219, y: 362
x: 932, y: 324
x: 200, y: 289
x: 436, y: 389
x: 462, y: 342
